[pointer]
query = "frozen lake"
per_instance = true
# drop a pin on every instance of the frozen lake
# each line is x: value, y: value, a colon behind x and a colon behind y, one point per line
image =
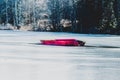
x: 21, y: 58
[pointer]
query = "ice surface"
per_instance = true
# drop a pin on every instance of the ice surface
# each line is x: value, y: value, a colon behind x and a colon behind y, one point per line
x: 22, y: 58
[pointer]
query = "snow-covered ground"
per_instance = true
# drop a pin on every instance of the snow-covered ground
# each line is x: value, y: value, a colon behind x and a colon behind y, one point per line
x: 22, y: 58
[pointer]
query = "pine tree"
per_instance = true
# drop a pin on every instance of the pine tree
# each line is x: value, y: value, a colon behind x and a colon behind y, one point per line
x: 117, y: 9
x: 109, y: 21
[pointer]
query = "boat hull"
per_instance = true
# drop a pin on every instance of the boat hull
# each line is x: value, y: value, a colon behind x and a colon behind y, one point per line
x: 63, y: 42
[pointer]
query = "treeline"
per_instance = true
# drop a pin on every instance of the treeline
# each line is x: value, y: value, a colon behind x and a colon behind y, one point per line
x: 79, y: 16
x: 93, y: 16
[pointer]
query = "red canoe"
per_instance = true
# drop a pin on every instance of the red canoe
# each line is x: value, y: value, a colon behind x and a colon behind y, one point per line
x: 63, y: 42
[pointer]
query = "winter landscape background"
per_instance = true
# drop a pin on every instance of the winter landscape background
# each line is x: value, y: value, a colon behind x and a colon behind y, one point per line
x: 81, y: 16
x: 23, y: 23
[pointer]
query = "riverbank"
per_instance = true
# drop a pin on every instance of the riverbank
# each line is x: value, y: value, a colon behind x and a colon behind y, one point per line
x: 31, y: 28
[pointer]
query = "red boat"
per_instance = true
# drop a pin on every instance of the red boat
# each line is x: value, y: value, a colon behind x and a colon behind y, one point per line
x: 63, y: 42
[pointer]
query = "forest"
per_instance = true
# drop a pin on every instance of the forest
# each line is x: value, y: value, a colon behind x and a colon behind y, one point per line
x: 77, y: 16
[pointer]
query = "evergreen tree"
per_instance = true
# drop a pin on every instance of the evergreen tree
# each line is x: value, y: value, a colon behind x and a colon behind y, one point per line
x: 109, y: 21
